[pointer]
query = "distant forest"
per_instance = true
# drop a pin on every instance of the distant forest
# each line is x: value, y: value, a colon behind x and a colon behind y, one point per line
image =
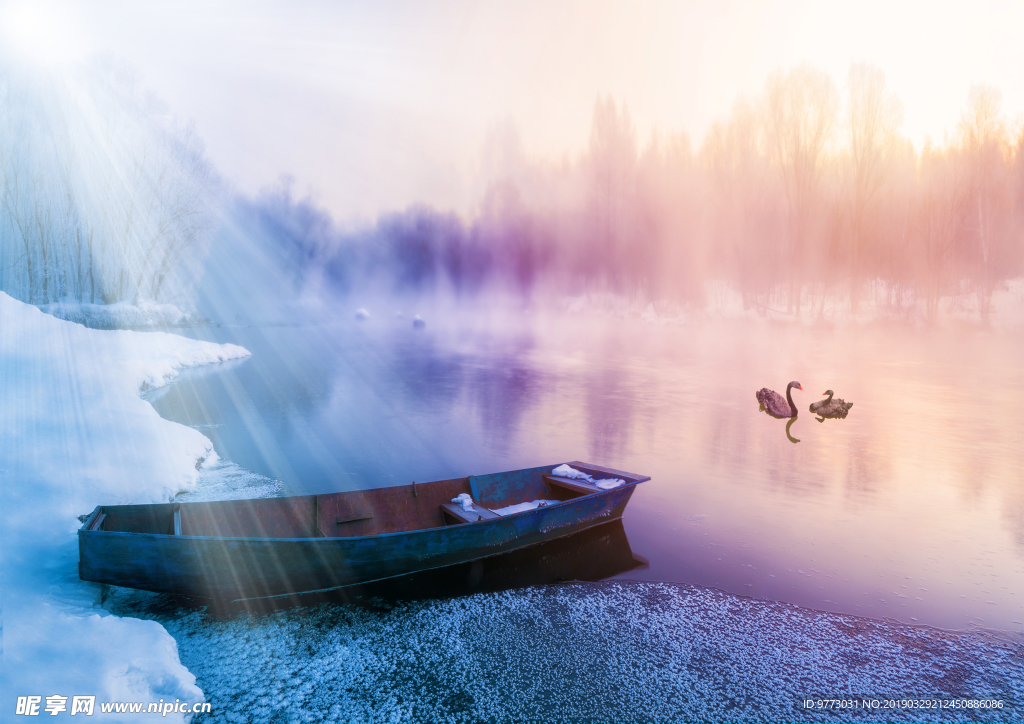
x: 809, y: 191
x: 805, y: 191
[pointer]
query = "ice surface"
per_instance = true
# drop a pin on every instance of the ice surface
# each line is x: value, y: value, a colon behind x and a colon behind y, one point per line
x: 465, y: 500
x: 75, y: 435
x: 612, y: 651
x: 564, y: 471
x: 520, y: 507
x: 121, y: 314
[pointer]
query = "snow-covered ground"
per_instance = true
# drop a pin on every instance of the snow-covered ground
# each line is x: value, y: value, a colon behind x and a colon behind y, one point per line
x: 75, y: 433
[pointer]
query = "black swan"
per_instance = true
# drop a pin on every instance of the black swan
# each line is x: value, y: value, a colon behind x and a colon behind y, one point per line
x: 830, y: 407
x: 775, y: 405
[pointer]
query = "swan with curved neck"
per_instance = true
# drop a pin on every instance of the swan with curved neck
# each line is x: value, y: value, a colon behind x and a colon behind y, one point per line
x: 774, y: 404
x: 831, y: 408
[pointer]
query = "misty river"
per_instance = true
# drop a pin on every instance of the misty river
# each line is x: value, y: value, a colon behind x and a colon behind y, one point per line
x: 911, y: 508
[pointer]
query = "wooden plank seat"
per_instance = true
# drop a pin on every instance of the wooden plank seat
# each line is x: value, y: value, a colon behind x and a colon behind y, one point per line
x: 96, y: 522
x: 576, y: 486
x: 468, y: 516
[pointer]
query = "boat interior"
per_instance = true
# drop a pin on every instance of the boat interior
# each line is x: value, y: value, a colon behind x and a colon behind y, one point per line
x: 396, y: 509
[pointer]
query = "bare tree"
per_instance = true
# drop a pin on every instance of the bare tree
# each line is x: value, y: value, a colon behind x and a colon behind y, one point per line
x: 942, y: 205
x: 984, y: 139
x: 612, y: 160
x: 744, y: 197
x: 103, y: 195
x: 874, y: 117
x: 800, y: 110
x: 664, y: 260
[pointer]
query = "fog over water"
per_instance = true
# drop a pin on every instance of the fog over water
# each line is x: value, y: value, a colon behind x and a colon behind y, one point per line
x: 910, y: 508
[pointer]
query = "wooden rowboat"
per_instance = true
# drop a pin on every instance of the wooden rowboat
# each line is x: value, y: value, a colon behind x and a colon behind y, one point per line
x: 239, y: 549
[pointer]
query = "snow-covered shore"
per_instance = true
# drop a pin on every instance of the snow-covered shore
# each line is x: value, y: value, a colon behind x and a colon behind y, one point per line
x: 76, y: 434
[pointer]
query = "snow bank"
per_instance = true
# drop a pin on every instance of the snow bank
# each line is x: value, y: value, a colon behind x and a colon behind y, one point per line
x: 76, y: 434
x: 112, y: 316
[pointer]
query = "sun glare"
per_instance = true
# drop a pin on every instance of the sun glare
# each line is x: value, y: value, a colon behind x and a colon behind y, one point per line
x: 40, y: 33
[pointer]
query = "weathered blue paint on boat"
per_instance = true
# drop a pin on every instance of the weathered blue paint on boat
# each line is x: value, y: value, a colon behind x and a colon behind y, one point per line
x: 306, y: 559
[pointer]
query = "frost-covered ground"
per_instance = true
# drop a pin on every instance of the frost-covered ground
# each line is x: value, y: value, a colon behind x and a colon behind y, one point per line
x: 612, y: 651
x: 75, y: 434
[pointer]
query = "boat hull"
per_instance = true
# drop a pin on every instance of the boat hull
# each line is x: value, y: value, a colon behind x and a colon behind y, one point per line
x: 239, y: 567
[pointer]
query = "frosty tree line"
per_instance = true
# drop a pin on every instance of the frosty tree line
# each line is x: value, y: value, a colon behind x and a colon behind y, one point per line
x: 808, y: 192
x: 103, y: 197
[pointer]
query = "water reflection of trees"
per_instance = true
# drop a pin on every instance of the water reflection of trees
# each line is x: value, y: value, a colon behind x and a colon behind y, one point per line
x: 502, y: 390
x: 609, y: 409
x: 1013, y: 514
x: 426, y: 373
x: 497, y: 379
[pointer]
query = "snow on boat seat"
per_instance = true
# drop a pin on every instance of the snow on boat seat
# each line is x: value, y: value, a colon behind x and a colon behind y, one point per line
x: 577, y: 481
x: 464, y: 510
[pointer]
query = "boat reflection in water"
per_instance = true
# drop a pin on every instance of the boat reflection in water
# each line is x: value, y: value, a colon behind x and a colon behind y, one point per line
x: 594, y: 554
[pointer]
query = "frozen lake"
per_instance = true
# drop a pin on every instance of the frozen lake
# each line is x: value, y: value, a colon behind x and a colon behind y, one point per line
x: 912, y: 508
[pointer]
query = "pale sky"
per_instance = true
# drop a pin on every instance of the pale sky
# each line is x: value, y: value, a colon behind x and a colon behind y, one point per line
x: 373, y: 106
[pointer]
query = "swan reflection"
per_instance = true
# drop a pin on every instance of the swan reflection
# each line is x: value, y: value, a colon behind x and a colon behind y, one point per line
x: 774, y: 404
x: 788, y: 434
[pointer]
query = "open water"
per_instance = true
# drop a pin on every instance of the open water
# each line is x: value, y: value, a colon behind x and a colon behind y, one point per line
x: 911, y: 508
